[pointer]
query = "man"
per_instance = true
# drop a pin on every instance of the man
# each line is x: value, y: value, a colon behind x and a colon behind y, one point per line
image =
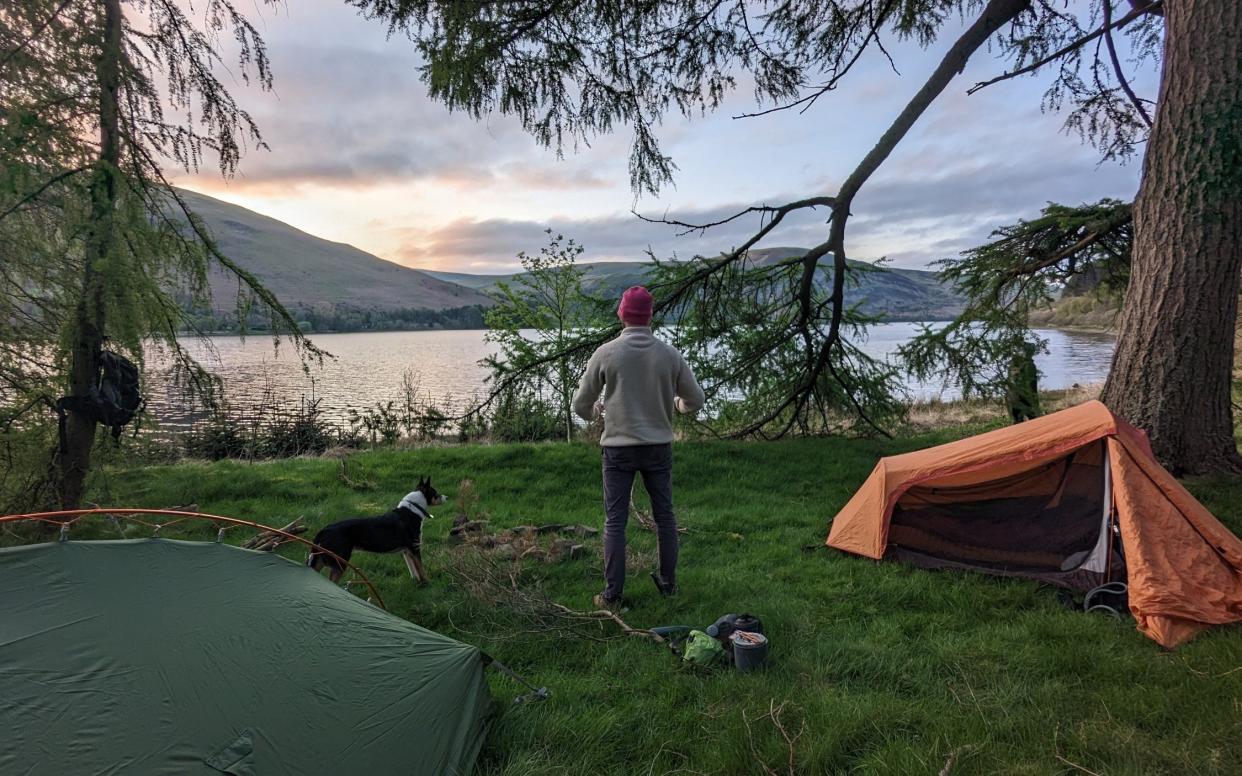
x: 645, y: 381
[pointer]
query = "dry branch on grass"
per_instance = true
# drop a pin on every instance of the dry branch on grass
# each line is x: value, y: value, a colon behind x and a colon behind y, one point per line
x: 1056, y: 749
x: 547, y: 543
x: 270, y: 540
x: 527, y: 609
x: 775, y: 710
x: 472, y: 530
x: 603, y: 615
x: 952, y: 759
x: 1076, y: 766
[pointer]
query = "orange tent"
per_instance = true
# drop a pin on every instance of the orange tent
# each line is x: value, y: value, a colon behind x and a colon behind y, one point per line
x: 1075, y: 498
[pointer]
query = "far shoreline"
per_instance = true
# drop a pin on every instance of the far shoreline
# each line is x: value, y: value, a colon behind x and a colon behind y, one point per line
x: 1070, y: 327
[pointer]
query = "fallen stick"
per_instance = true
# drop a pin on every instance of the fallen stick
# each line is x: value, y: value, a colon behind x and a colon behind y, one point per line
x: 1056, y: 749
x: 273, y: 543
x: 604, y: 614
x: 1077, y: 766
x: 259, y: 540
x: 948, y: 764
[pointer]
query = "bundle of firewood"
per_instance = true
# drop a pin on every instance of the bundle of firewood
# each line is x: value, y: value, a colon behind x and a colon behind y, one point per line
x: 270, y: 540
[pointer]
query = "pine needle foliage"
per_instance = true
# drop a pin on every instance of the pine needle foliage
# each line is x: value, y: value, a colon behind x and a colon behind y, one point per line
x: 97, y: 101
x: 571, y: 71
x: 1022, y: 269
x: 779, y: 344
x: 743, y: 332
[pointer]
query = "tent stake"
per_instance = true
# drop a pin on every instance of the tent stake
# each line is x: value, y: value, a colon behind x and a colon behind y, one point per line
x: 535, y: 694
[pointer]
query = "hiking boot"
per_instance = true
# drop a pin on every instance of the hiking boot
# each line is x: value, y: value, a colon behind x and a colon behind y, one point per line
x: 668, y: 591
x: 613, y: 605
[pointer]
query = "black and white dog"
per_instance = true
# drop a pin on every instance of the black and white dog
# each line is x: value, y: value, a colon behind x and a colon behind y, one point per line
x: 400, y: 530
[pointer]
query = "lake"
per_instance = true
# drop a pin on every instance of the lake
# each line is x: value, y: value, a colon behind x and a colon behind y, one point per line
x: 370, y: 367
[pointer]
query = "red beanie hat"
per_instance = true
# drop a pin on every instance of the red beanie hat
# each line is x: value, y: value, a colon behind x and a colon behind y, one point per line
x: 635, y: 307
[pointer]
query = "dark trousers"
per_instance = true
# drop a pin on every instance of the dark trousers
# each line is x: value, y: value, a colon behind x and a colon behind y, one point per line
x: 655, y: 463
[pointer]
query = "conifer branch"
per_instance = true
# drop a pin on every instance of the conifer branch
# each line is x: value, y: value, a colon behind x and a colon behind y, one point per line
x: 1121, y: 76
x: 1141, y: 9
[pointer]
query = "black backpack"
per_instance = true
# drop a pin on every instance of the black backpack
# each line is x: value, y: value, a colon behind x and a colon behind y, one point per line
x: 113, y: 401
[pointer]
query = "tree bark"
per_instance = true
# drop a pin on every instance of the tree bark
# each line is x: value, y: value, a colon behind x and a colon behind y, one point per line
x: 1172, y: 371
x: 89, y: 319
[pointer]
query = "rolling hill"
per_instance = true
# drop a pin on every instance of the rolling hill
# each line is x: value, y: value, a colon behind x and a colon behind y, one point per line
x: 896, y: 294
x: 603, y: 277
x: 308, y: 273
x: 337, y: 286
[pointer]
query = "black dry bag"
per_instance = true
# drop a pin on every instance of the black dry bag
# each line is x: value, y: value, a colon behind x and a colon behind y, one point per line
x: 113, y: 400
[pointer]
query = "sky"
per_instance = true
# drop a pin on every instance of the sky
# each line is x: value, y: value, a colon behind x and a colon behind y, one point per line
x: 360, y: 154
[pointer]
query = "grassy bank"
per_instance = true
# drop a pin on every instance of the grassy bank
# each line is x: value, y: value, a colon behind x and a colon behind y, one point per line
x: 1086, y: 312
x: 888, y: 669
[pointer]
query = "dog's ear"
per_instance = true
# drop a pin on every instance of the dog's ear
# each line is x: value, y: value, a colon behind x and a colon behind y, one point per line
x: 422, y: 481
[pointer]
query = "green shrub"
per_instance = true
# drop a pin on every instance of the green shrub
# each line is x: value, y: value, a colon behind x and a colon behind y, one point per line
x: 522, y: 416
x: 270, y: 430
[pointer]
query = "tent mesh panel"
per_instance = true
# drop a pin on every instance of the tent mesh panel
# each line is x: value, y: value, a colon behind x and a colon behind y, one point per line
x: 1031, y: 521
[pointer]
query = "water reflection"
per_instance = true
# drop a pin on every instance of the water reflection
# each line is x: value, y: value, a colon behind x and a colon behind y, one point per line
x: 370, y: 367
x: 1081, y: 357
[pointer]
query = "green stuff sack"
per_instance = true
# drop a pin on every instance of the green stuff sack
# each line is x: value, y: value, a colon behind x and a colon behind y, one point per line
x: 703, y: 650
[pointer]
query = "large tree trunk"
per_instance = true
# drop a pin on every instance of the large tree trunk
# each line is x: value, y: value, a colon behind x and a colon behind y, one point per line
x: 88, y: 324
x: 1172, y: 372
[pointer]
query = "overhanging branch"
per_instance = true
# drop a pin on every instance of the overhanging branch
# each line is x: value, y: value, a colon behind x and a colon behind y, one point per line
x: 777, y: 212
x: 838, y: 72
x: 1140, y: 9
x: 993, y: 17
x: 32, y: 196
x: 1102, y: 231
x: 1121, y: 76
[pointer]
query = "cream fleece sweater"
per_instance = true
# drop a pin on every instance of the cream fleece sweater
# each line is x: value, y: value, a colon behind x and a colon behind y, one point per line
x: 646, y: 380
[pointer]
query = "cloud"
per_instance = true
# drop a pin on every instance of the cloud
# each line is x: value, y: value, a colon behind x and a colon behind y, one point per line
x: 912, y: 220
x: 361, y: 154
x: 560, y: 177
x: 348, y: 109
x: 490, y: 244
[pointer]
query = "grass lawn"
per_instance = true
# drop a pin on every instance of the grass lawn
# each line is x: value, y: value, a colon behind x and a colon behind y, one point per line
x: 890, y: 669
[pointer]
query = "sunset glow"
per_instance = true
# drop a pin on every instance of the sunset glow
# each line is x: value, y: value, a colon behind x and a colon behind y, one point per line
x: 360, y: 154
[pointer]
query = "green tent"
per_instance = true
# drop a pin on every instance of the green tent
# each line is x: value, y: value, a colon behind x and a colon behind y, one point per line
x: 161, y: 656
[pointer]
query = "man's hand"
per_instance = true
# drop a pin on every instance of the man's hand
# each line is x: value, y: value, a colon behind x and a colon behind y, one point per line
x: 598, y: 409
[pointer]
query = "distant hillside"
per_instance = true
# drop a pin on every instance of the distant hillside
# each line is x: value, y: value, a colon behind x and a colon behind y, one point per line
x: 334, y: 286
x: 311, y: 274
x: 897, y: 294
x: 602, y: 277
